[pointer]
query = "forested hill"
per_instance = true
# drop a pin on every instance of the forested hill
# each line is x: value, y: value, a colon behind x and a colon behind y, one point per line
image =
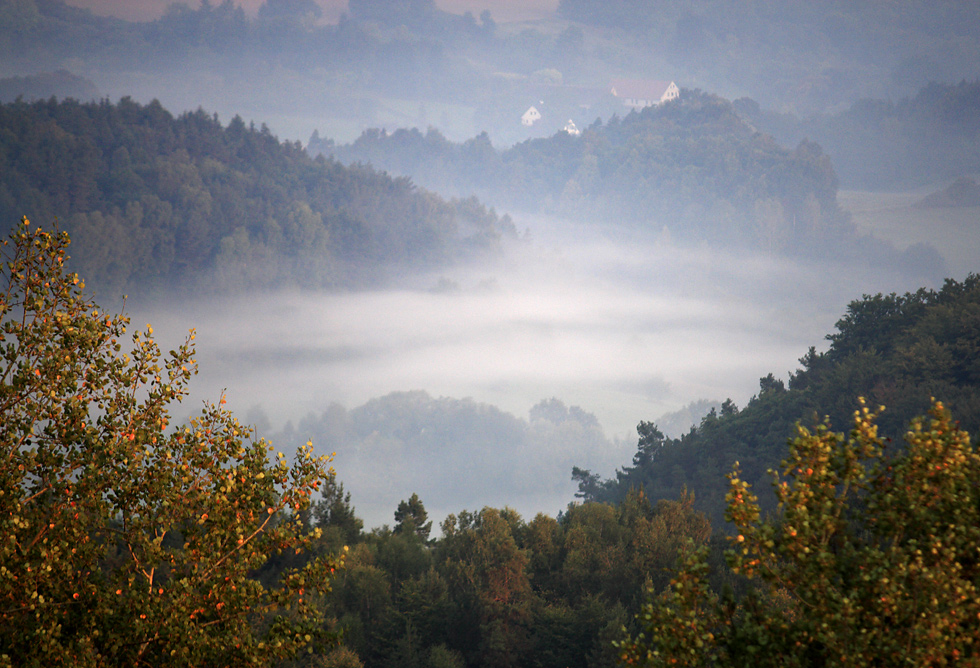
x: 894, y: 350
x: 691, y: 168
x: 152, y: 200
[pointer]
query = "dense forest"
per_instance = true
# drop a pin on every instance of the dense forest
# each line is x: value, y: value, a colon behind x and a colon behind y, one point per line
x: 495, y: 589
x: 895, y: 350
x: 153, y: 200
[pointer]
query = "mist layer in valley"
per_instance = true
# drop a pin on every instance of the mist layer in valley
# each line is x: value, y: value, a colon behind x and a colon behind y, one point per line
x: 484, y: 384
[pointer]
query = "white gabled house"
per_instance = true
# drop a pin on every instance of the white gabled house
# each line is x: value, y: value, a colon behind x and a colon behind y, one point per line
x: 640, y: 93
x: 530, y: 116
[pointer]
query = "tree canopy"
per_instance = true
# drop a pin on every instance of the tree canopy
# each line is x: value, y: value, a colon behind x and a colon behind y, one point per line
x: 128, y: 540
x: 870, y: 560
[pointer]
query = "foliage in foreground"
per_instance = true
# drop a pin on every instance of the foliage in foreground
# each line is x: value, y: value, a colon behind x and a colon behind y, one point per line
x: 123, y: 542
x: 872, y: 559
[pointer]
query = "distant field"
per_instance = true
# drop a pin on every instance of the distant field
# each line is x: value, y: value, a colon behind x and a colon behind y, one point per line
x: 954, y: 232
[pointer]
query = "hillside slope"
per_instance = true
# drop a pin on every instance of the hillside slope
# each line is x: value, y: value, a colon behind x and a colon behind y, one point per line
x: 157, y: 201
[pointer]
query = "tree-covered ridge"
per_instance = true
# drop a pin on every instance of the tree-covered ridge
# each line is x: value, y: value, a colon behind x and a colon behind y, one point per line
x: 691, y: 167
x: 455, y: 452
x: 895, y: 350
x: 151, y: 199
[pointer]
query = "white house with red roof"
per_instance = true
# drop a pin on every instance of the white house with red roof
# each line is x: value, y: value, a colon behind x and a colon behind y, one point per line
x: 640, y: 93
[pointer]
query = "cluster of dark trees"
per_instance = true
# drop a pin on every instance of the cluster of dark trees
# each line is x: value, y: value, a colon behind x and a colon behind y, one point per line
x: 877, y: 144
x: 895, y: 350
x: 494, y: 589
x: 691, y: 167
x: 152, y: 200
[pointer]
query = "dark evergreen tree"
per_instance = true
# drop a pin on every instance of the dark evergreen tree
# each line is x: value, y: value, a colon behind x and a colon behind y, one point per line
x: 410, y: 517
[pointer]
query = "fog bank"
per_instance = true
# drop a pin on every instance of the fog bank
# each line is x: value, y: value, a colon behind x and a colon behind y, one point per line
x: 626, y: 328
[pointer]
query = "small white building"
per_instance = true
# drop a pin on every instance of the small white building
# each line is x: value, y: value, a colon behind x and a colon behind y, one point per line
x: 571, y: 129
x: 640, y: 93
x: 530, y: 117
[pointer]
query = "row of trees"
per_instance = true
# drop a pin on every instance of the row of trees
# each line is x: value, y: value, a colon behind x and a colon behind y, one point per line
x: 496, y: 590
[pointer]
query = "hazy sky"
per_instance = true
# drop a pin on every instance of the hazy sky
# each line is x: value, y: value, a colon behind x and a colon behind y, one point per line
x: 502, y: 10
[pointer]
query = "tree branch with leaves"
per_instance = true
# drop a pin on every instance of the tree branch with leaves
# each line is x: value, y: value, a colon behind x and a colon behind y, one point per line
x: 126, y: 541
x: 871, y: 560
